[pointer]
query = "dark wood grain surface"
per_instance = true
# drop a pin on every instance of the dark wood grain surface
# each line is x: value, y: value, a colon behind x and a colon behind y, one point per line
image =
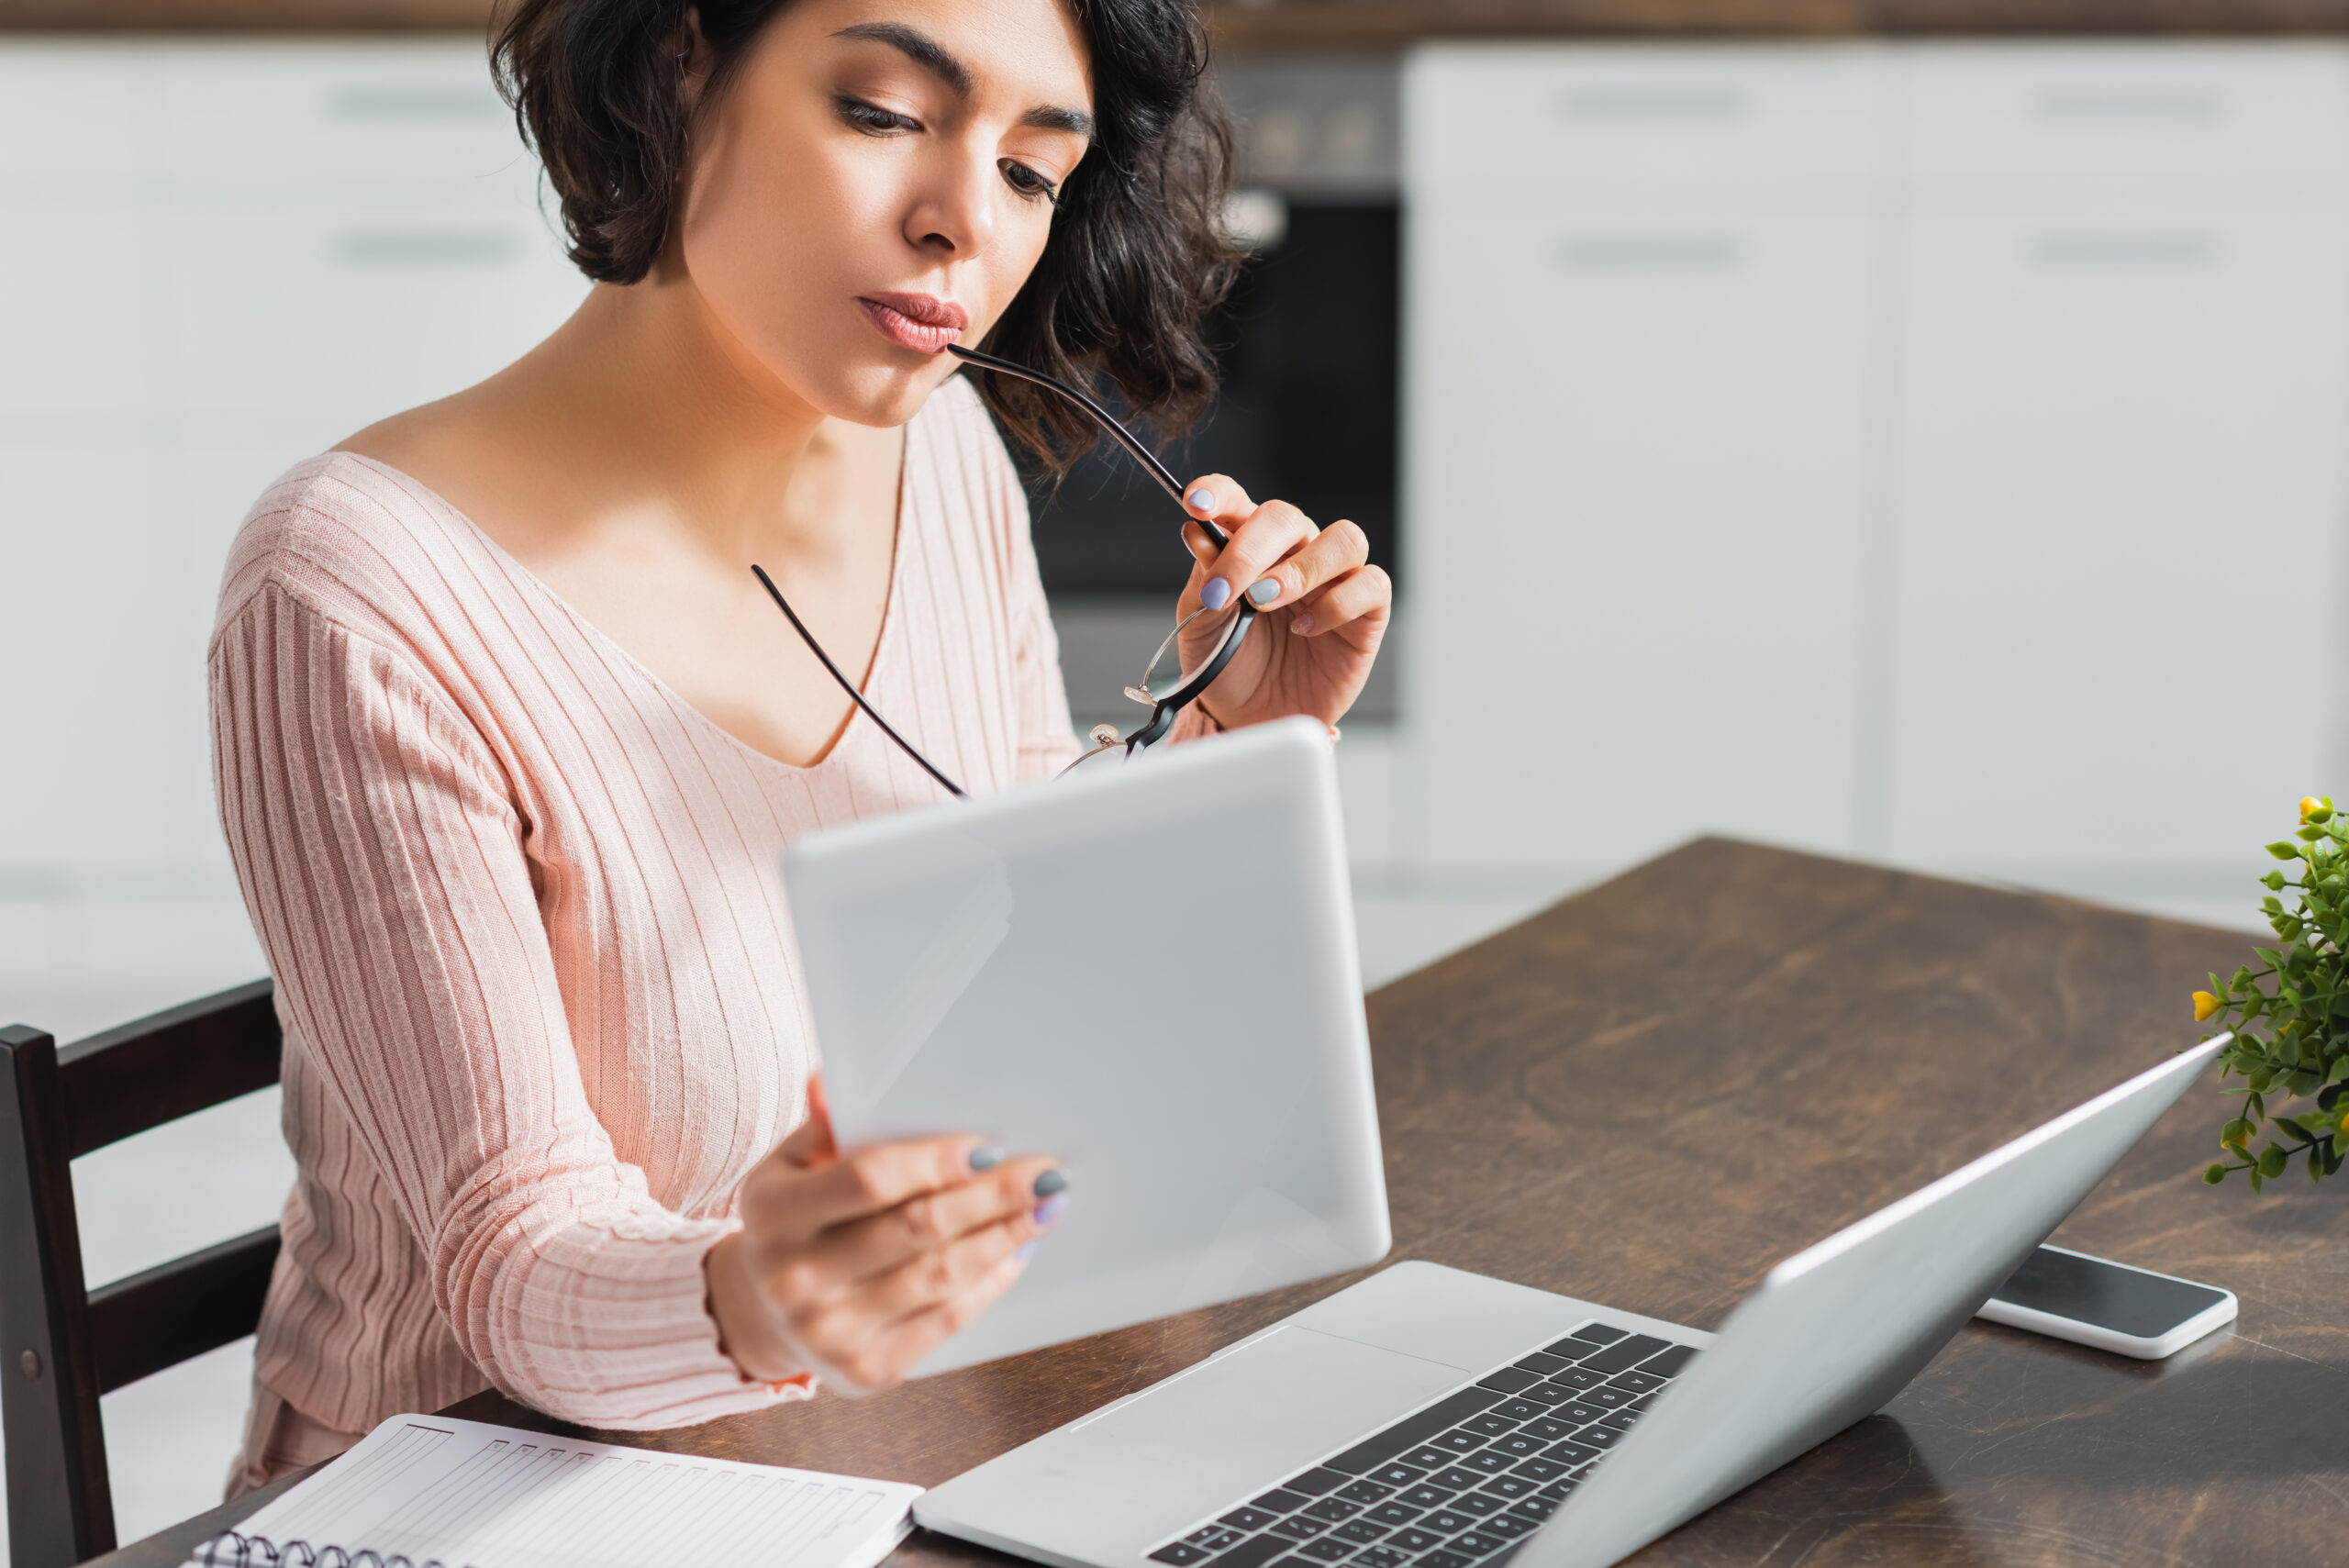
x: 1654, y: 1091
x: 1290, y: 24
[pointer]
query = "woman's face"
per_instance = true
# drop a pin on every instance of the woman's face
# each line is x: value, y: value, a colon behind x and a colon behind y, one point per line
x: 876, y: 181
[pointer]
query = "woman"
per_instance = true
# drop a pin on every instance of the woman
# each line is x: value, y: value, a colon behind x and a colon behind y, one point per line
x: 508, y: 736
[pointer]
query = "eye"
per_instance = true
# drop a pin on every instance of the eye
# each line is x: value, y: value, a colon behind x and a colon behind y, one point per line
x: 1029, y: 182
x: 872, y: 119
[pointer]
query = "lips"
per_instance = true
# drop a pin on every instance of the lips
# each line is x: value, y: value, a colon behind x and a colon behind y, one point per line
x: 921, y: 322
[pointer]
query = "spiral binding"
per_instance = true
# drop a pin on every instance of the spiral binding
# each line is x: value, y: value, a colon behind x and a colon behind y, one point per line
x: 260, y: 1552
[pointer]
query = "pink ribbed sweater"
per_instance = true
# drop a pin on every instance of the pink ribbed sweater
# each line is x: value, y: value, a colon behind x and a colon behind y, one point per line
x: 524, y: 912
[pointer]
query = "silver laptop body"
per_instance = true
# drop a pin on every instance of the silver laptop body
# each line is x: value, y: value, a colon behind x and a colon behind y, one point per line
x: 1399, y: 1419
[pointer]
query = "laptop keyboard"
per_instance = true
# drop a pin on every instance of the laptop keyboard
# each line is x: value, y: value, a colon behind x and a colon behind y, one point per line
x: 1458, y: 1484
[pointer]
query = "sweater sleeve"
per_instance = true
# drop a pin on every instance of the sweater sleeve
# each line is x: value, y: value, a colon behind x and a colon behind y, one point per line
x: 381, y: 855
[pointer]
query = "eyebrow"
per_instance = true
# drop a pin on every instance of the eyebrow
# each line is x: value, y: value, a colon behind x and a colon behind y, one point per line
x: 942, y: 62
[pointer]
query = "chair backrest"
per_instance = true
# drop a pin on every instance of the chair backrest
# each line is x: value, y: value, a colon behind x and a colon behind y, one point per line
x: 64, y: 1343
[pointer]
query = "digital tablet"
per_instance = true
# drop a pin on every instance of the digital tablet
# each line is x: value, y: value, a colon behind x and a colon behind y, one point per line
x: 1149, y: 973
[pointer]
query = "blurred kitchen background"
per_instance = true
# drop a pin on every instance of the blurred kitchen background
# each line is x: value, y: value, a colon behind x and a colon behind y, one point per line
x: 1900, y: 432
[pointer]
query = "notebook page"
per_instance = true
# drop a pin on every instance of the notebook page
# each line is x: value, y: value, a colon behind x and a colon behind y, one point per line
x: 467, y: 1495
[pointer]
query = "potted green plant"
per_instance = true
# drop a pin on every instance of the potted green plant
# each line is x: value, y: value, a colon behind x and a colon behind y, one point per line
x: 2289, y: 1014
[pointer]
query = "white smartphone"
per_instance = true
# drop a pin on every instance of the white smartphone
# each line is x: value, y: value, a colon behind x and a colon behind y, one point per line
x: 2091, y: 1301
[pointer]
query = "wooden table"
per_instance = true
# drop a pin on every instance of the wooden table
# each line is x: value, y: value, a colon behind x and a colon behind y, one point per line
x: 1650, y: 1092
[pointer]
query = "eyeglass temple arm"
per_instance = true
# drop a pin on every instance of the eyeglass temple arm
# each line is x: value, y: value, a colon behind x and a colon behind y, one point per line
x: 1123, y: 437
x: 846, y: 684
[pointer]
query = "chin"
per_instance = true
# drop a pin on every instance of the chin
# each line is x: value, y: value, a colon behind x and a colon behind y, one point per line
x: 885, y: 395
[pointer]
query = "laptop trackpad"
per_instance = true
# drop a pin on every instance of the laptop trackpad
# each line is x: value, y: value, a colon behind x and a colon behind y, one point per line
x: 1216, y: 1435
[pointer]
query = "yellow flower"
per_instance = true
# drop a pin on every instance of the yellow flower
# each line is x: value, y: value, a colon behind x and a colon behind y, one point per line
x: 2204, y: 1004
x: 2315, y: 808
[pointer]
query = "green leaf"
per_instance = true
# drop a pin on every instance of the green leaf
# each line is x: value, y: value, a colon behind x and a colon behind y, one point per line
x: 2213, y: 1174
x: 2284, y: 850
x: 2234, y: 1134
x: 2340, y: 1073
x: 2260, y: 1080
x: 2308, y: 834
x: 2291, y: 1124
x: 2271, y: 1160
x: 2255, y: 1180
x: 2274, y: 881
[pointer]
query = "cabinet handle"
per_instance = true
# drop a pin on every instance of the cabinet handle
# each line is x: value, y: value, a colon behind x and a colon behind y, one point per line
x: 2130, y: 105
x: 386, y: 103
x: 1650, y: 253
x: 2180, y: 250
x: 423, y: 247
x: 1694, y: 101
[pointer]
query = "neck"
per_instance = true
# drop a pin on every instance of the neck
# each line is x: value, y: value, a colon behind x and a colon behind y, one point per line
x: 675, y: 425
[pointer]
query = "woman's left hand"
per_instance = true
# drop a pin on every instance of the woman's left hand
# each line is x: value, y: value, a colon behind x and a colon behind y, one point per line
x: 1322, y: 607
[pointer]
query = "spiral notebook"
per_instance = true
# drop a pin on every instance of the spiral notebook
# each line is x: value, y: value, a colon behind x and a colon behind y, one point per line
x: 423, y: 1490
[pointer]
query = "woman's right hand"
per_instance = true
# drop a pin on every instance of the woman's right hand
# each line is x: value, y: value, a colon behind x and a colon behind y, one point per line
x: 856, y: 1266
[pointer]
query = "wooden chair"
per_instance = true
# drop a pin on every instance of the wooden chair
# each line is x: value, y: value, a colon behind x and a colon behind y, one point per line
x: 62, y: 1344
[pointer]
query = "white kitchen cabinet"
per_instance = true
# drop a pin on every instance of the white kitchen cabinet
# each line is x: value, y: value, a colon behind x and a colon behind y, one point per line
x: 1636, y: 427
x: 1962, y: 481
x: 2118, y: 507
x: 224, y: 257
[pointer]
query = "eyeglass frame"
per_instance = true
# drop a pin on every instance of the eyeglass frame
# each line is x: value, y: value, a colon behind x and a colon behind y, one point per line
x: 1189, y: 685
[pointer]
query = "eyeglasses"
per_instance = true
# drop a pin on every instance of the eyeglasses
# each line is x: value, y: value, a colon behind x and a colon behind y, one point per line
x: 1166, y: 694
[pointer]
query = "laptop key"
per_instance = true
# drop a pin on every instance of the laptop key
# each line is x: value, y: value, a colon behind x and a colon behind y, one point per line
x: 1476, y: 1543
x: 1296, y: 1526
x: 1543, y: 1362
x: 1556, y: 1490
x: 1509, y: 1379
x: 1425, y: 1496
x: 1414, y: 1540
x: 1637, y: 1381
x: 1613, y: 1398
x: 1315, y: 1481
x: 1518, y: 1444
x: 1624, y: 1354
x: 1358, y: 1529
x: 1509, y: 1485
x: 1535, y: 1510
x: 1430, y: 1457
x: 1623, y: 1421
x: 1246, y: 1518
x: 1578, y: 1377
x: 1366, y: 1491
x: 1667, y: 1363
x: 1489, y: 1425
x: 1540, y: 1469
x: 1459, y: 1441
x: 1393, y: 1514
x: 1475, y: 1504
x: 1281, y: 1500
x: 1395, y: 1475
x: 1253, y: 1553
x: 1492, y: 1462
x: 1448, y: 1521
x: 1598, y: 1334
x: 1331, y: 1509
x: 1446, y: 1559
x: 1575, y: 1452
x: 1550, y: 1429
x: 1214, y: 1538
x: 1547, y: 1394
x: 1520, y: 1409
x: 1327, y: 1551
x: 1582, y: 1412
x: 1459, y: 1478
x: 1178, y: 1553
x: 1365, y: 1456
x: 1381, y: 1557
x: 1508, y: 1526
x: 1597, y: 1437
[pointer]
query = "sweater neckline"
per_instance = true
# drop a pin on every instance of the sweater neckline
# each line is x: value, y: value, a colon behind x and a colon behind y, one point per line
x: 886, y: 659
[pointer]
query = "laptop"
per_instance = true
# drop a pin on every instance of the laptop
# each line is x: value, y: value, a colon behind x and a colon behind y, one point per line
x: 1428, y: 1418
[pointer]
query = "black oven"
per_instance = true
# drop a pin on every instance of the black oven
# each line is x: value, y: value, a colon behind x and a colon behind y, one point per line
x: 1307, y: 346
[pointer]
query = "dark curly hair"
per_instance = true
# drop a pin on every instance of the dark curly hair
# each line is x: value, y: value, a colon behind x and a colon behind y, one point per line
x: 1137, y: 256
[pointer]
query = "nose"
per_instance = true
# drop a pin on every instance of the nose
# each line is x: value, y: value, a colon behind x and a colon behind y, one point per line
x: 954, y: 214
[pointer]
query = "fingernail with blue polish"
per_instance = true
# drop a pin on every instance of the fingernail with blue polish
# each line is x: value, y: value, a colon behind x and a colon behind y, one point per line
x: 986, y: 1157
x: 1050, y: 1211
x: 1203, y: 499
x: 1050, y: 1182
x: 1264, y: 592
x: 1215, y: 595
